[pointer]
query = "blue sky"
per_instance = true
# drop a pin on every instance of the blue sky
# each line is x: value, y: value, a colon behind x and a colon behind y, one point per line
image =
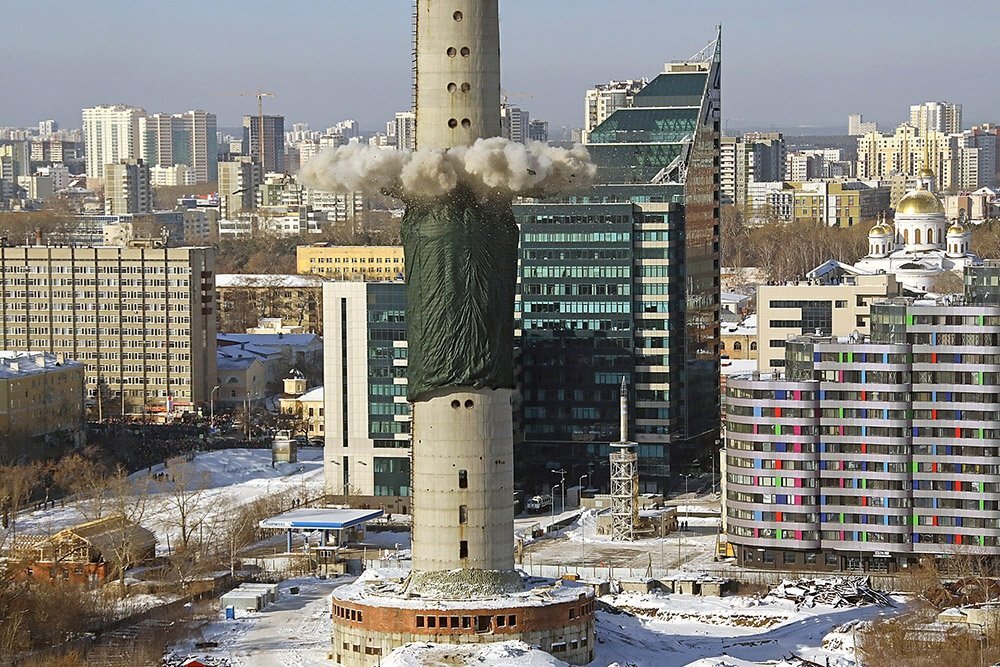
x: 785, y: 62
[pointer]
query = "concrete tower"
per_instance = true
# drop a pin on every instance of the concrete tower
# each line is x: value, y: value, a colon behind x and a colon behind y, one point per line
x: 457, y: 95
x: 463, y: 467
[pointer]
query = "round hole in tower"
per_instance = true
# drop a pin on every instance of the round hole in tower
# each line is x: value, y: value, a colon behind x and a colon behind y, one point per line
x: 466, y: 123
x: 452, y: 87
x: 456, y: 404
x: 458, y: 16
x: 466, y: 52
x: 452, y: 122
x: 452, y: 52
x: 469, y: 404
x: 466, y: 87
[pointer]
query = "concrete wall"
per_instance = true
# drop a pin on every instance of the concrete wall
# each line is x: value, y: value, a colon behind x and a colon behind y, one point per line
x: 463, y: 481
x: 458, y: 72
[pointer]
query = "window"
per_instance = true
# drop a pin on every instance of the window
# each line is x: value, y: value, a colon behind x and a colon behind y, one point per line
x: 484, y: 624
x: 463, y: 479
x: 463, y: 549
x: 789, y: 558
x: 737, y: 345
x: 768, y: 557
x: 463, y: 514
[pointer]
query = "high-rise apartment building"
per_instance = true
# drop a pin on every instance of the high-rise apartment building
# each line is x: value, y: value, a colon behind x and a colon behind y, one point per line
x: 880, y: 156
x: 624, y: 281
x: 404, y: 129
x: 514, y: 122
x: 127, y: 188
x: 857, y: 127
x: 603, y: 100
x: 141, y: 319
x: 936, y: 117
x: 870, y: 453
x: 238, y: 183
x: 364, y: 366
x: 538, y: 130
x: 753, y: 158
x: 110, y: 134
x: 273, y: 143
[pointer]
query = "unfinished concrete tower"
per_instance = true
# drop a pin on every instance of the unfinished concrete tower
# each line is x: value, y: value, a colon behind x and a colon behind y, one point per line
x: 463, y: 468
x: 461, y: 269
x: 624, y: 480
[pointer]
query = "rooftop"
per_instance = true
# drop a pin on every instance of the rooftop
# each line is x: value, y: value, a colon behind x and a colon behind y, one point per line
x: 22, y: 364
x: 310, y: 518
x: 264, y: 280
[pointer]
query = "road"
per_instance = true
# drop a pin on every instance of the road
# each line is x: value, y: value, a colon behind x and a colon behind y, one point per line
x: 293, y: 632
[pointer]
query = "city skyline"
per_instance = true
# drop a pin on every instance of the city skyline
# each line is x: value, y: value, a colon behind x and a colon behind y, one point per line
x: 797, y: 78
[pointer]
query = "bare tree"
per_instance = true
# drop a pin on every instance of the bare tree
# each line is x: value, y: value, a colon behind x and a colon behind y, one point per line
x: 83, y: 475
x: 128, y: 504
x: 184, y: 493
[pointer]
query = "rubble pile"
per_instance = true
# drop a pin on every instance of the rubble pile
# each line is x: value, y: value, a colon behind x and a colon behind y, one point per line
x: 832, y: 591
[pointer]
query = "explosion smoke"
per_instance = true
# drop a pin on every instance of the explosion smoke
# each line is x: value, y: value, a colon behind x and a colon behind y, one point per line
x: 494, y: 167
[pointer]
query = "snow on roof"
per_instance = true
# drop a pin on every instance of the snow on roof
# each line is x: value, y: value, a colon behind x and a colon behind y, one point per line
x: 269, y: 340
x: 227, y: 363
x: 20, y: 364
x: 386, y: 588
x: 266, y: 280
x: 311, y: 518
x: 248, y: 350
x: 737, y: 366
x: 314, y: 394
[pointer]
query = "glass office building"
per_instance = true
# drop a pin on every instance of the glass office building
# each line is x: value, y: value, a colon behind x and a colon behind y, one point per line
x: 623, y: 280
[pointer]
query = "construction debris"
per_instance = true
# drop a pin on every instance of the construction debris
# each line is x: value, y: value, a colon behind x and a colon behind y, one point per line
x: 833, y: 591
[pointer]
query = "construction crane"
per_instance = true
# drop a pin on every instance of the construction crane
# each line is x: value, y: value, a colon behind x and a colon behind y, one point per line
x: 260, y: 95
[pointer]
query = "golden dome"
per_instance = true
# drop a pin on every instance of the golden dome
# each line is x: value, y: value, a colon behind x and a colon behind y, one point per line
x: 956, y: 229
x: 881, y: 229
x: 920, y: 202
x: 927, y: 172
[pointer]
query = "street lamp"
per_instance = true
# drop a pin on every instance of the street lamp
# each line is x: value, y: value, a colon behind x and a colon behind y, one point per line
x: 211, y: 407
x: 687, y: 507
x: 562, y: 483
x: 552, y: 493
x: 583, y: 526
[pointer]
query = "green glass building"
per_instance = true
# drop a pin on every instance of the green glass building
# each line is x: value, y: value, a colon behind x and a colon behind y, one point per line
x: 623, y: 281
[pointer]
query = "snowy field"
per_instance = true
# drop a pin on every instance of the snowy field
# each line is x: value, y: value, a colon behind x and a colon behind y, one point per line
x: 218, y: 482
x: 648, y: 630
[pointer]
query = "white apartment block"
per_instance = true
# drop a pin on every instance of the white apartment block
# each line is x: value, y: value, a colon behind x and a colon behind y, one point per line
x: 110, y: 134
x: 881, y: 156
x: 603, y: 100
x: 936, y: 117
x: 367, y: 449
x: 514, y: 122
x: 142, y: 320
x: 856, y: 125
x: 404, y: 129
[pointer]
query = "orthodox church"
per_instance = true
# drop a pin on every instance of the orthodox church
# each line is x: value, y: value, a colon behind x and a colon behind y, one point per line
x: 921, y: 244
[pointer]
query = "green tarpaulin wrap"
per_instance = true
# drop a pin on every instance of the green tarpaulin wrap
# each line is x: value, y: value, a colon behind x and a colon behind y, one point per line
x: 461, y: 271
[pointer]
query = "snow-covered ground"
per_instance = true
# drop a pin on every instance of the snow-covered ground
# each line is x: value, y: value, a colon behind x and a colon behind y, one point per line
x: 292, y: 632
x: 224, y: 479
x: 645, y: 630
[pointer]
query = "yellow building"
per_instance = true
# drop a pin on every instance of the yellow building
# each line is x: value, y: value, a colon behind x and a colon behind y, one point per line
x: 905, y: 151
x: 838, y: 203
x: 308, y: 408
x: 40, y: 394
x: 360, y: 262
